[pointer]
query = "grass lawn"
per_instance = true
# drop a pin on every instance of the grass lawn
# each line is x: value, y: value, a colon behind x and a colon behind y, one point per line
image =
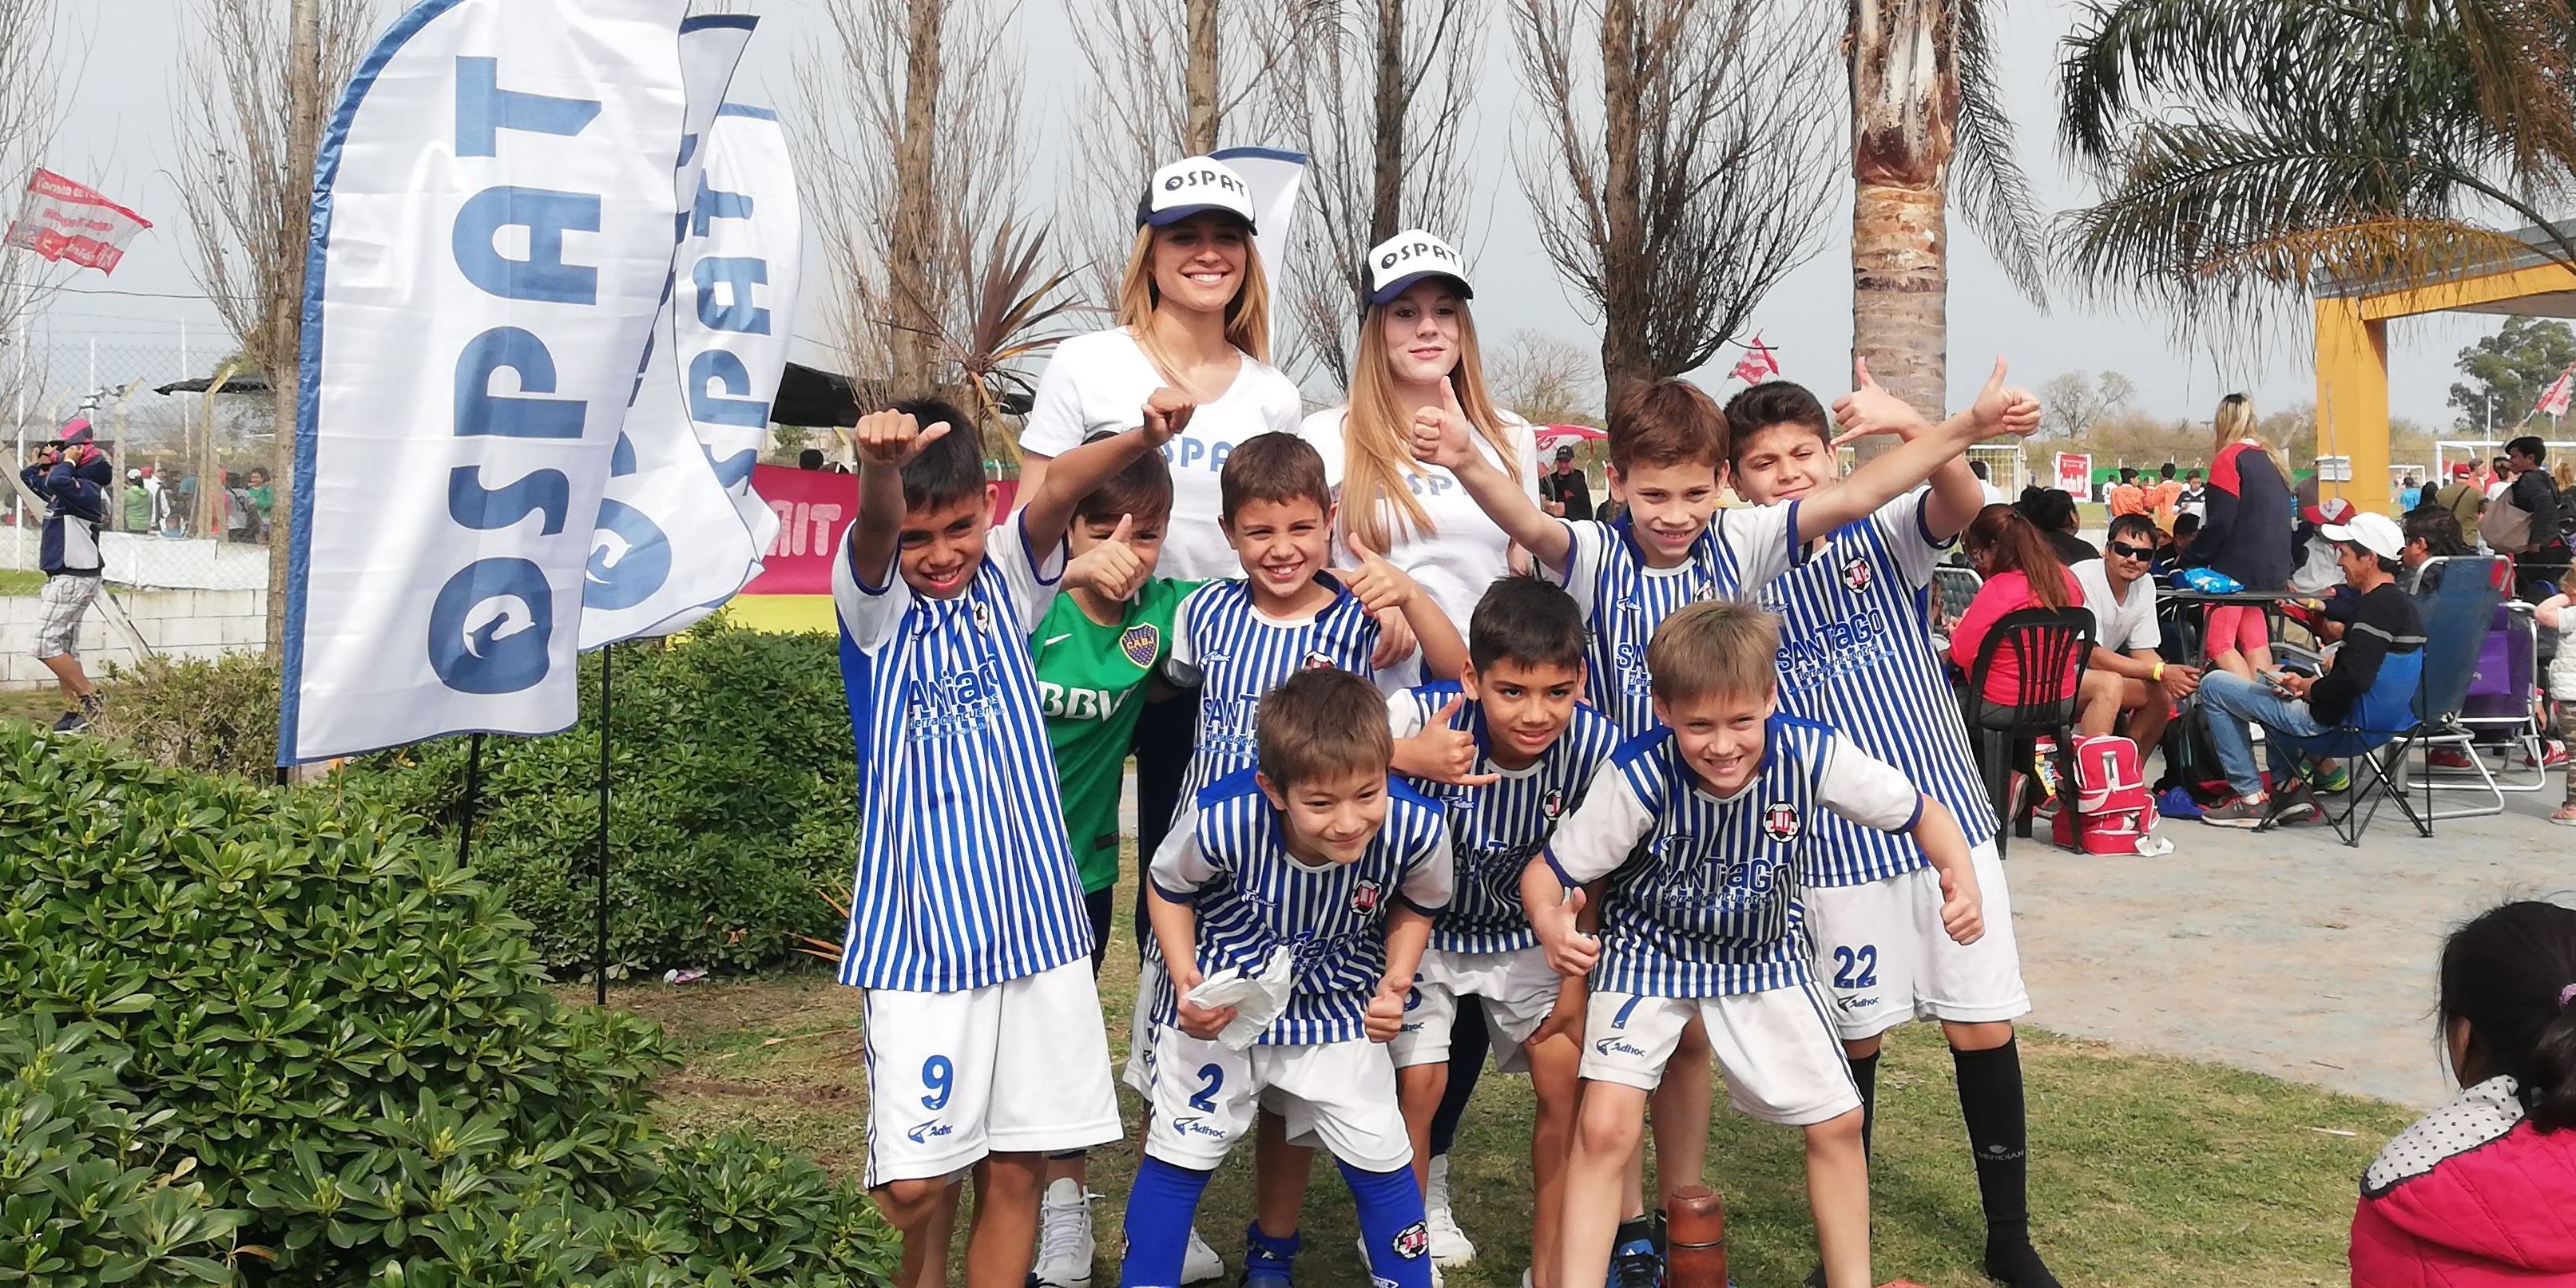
x: 2144, y: 1170
x: 20, y: 583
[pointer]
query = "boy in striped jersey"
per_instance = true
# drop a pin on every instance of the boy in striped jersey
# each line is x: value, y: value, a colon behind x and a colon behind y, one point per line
x: 1857, y: 649
x: 1701, y: 825
x: 1320, y: 859
x: 966, y: 928
x: 1507, y: 752
x: 1673, y: 546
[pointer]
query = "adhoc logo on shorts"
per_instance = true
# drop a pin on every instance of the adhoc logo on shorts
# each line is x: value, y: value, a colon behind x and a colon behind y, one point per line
x: 1781, y: 821
x: 1364, y: 899
x: 1856, y: 574
x: 1141, y: 643
x: 1193, y: 1125
x: 1616, y: 1046
x: 1413, y: 1241
x: 924, y: 1132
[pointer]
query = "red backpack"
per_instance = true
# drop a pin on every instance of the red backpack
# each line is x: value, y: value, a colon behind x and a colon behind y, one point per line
x: 2113, y: 813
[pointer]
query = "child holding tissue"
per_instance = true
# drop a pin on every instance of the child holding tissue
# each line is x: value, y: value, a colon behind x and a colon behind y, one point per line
x: 1292, y: 903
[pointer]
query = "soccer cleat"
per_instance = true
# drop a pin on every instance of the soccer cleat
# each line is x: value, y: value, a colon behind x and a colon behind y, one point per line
x: 1267, y: 1262
x: 1199, y: 1263
x: 1635, y: 1265
x: 1065, y: 1245
x: 2237, y: 812
x: 1449, y: 1244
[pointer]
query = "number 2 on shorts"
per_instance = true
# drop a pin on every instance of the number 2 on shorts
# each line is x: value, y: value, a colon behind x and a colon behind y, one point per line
x: 1211, y: 1079
x: 941, y: 1077
x: 1856, y: 967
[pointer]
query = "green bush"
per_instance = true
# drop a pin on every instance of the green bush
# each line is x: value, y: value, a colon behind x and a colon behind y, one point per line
x: 734, y: 804
x: 217, y: 717
x: 346, y: 1040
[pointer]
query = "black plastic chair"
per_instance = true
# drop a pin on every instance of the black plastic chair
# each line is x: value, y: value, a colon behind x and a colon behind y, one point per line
x: 2052, y: 647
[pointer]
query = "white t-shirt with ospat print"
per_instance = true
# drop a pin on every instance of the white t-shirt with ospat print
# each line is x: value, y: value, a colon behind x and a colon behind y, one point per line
x: 1463, y: 551
x: 1100, y: 382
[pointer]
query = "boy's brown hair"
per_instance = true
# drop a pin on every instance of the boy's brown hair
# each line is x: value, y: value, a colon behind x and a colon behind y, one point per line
x: 1143, y: 489
x: 1273, y: 467
x: 1773, y: 402
x: 1716, y: 648
x: 1320, y: 722
x: 1664, y: 423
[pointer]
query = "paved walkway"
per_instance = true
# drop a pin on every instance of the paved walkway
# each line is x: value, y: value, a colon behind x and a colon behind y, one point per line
x: 2284, y: 952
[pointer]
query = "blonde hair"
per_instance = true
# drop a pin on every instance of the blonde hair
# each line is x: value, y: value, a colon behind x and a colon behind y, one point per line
x: 1716, y: 648
x: 1247, y: 315
x: 2565, y: 474
x: 2234, y: 423
x: 1377, y: 450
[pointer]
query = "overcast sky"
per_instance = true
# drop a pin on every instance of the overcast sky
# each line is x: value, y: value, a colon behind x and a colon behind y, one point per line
x: 118, y: 136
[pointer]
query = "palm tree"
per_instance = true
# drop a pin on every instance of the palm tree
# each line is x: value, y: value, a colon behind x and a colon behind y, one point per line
x: 1925, y: 118
x: 2242, y: 147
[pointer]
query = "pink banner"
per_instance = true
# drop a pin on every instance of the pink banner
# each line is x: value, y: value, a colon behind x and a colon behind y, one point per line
x: 814, y: 511
x: 69, y: 222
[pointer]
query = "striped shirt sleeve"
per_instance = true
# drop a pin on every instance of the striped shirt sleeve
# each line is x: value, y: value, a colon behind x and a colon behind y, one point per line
x: 1428, y: 874
x: 1597, y: 838
x: 1588, y: 543
x: 1867, y: 790
x: 869, y: 613
x: 1031, y: 582
x: 1181, y: 867
x: 1764, y: 541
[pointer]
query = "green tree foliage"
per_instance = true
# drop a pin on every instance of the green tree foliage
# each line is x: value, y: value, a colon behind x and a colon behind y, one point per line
x: 2506, y: 372
x: 310, y: 1011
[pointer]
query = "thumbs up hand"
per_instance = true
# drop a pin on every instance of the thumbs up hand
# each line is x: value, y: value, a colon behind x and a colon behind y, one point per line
x: 1377, y: 584
x: 1442, y: 754
x: 1869, y: 409
x: 1112, y: 570
x: 1442, y: 435
x: 891, y: 438
x: 2004, y: 409
x: 1167, y: 413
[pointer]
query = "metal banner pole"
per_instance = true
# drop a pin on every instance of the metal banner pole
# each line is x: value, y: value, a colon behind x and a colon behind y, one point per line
x: 600, y: 962
x: 473, y: 799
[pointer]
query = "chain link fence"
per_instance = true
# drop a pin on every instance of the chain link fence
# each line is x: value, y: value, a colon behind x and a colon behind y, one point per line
x: 192, y: 506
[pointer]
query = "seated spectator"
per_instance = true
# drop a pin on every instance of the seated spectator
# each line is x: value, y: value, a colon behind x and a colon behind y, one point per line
x: 2384, y: 622
x: 2177, y: 552
x: 2320, y: 567
x: 2021, y: 572
x: 2126, y: 674
x: 2483, y: 1190
x: 2431, y: 533
x: 2054, y: 514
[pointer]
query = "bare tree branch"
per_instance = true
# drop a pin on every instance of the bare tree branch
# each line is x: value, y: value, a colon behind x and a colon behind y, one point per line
x: 1701, y: 180
x: 1383, y: 100
x: 30, y: 103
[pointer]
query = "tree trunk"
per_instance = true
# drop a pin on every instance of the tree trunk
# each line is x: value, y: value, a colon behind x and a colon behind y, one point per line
x: 1200, y: 82
x: 286, y: 298
x: 1624, y: 359
x: 1386, y: 213
x: 910, y: 245
x: 1905, y: 108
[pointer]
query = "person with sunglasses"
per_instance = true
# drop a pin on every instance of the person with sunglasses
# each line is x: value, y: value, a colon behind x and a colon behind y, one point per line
x: 2126, y: 675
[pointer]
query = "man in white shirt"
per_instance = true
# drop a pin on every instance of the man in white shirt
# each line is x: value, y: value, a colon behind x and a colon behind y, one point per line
x: 2125, y: 674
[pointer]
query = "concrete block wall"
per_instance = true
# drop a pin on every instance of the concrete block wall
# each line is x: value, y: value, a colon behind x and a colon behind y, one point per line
x: 178, y: 623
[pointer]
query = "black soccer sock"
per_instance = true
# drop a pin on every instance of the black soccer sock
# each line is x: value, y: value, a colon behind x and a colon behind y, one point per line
x: 1468, y: 1043
x: 1990, y: 1098
x: 1634, y: 1230
x: 1864, y: 1072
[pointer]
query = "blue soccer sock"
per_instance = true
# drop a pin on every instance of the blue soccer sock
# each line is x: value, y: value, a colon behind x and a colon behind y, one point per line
x: 1160, y: 1208
x: 1266, y: 1259
x: 1391, y: 1226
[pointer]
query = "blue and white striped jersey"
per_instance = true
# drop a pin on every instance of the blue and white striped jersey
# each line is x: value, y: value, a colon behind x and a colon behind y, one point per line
x: 1623, y: 600
x: 964, y: 875
x: 1495, y: 830
x: 1703, y: 900
x: 1234, y: 654
x: 1228, y: 855
x: 1856, y: 651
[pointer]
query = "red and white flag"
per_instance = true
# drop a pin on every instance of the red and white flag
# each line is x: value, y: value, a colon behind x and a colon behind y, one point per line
x: 1760, y: 363
x: 2553, y: 400
x: 70, y: 222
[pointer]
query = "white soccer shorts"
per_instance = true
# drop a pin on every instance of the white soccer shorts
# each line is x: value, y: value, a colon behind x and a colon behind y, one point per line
x: 61, y: 605
x: 1020, y: 1067
x: 1139, y: 1073
x: 1516, y: 989
x: 1341, y: 1094
x: 1884, y: 958
x: 1776, y: 1048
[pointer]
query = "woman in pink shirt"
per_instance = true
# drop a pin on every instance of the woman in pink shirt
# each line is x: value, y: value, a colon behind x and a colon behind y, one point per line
x: 2021, y: 571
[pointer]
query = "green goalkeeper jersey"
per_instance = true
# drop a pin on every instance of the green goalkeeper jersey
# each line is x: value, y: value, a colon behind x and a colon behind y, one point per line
x: 1091, y: 684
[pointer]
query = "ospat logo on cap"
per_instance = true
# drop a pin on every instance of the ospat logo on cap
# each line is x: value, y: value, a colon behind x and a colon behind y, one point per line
x: 2333, y: 509
x: 1194, y: 185
x: 2376, y: 533
x: 1395, y: 264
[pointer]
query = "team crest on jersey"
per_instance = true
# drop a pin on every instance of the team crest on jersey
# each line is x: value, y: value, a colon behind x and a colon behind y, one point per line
x: 1319, y: 660
x: 1364, y: 899
x: 1856, y: 574
x: 1781, y: 822
x: 1554, y: 804
x: 1141, y: 643
x: 983, y: 613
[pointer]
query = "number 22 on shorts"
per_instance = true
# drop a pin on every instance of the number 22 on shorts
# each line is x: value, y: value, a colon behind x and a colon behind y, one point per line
x: 1856, y: 967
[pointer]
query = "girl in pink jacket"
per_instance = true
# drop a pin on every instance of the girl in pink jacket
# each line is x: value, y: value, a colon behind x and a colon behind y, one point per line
x: 2482, y: 1191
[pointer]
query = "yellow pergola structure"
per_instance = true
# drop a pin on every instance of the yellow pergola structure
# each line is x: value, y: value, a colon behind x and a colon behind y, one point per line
x: 2352, y: 350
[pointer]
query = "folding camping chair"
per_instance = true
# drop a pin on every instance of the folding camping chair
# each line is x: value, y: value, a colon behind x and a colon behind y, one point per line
x: 2372, y: 739
x: 2468, y: 649
x: 2503, y: 700
x: 2052, y: 647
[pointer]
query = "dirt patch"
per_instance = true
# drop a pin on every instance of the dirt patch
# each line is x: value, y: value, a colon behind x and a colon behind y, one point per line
x: 812, y: 1095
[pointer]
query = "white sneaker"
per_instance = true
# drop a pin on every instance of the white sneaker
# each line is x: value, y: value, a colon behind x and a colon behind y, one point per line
x: 1065, y: 1245
x: 1199, y: 1263
x: 1449, y: 1244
